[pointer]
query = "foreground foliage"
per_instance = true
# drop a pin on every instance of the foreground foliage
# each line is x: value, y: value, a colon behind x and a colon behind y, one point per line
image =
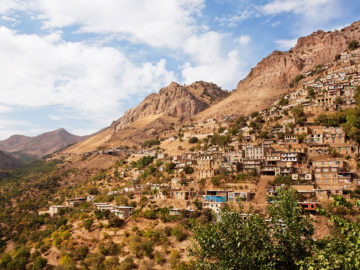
x: 283, y: 241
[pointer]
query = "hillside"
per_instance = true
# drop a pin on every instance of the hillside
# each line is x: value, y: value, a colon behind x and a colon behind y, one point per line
x: 241, y: 192
x: 8, y: 161
x: 271, y: 77
x: 265, y: 83
x: 43, y: 144
x: 173, y: 104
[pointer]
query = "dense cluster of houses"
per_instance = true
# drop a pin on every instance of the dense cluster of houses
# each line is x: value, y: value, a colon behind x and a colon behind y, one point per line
x: 317, y: 161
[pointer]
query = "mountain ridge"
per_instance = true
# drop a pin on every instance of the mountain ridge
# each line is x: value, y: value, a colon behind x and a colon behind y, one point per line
x: 270, y: 78
x: 8, y: 161
x: 174, y: 103
x: 40, y: 145
x: 268, y: 81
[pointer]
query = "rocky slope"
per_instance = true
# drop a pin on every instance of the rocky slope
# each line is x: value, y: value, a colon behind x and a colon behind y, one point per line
x: 175, y: 100
x: 264, y: 84
x: 40, y: 145
x: 8, y: 161
x: 271, y: 77
x: 172, y: 104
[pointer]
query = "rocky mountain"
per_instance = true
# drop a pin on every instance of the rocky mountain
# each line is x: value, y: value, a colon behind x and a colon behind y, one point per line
x: 271, y: 77
x: 25, y: 147
x: 265, y: 83
x: 175, y: 100
x: 172, y: 104
x: 8, y: 161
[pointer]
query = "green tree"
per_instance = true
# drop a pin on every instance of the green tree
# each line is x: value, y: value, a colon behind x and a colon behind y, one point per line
x: 264, y: 134
x: 193, y: 140
x: 298, y: 78
x: 188, y: 169
x: 339, y: 100
x: 283, y: 102
x: 39, y: 263
x: 234, y: 243
x: 215, y: 180
x: 66, y: 263
x: 88, y: 223
x: 340, y: 250
x: 311, y: 93
x: 248, y: 241
x: 291, y: 231
x: 354, y: 44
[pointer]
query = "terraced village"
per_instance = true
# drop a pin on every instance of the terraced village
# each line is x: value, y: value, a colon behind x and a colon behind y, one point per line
x: 153, y: 206
x: 307, y: 141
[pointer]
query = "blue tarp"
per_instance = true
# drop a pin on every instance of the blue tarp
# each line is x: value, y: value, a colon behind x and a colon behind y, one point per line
x: 213, y: 198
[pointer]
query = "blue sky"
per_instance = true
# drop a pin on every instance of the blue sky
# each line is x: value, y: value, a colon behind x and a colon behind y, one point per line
x: 81, y: 64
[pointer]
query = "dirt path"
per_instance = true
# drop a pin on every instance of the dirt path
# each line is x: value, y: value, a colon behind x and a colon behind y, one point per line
x: 259, y: 202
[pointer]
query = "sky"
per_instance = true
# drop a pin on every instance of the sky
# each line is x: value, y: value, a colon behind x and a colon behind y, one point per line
x: 80, y: 64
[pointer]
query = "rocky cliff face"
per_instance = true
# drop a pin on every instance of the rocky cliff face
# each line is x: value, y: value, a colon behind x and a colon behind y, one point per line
x: 264, y: 84
x: 175, y: 100
x: 280, y: 68
x: 271, y: 77
x: 155, y: 114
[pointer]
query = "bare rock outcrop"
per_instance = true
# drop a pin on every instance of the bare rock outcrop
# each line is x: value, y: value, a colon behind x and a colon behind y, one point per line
x: 271, y: 77
x: 175, y: 100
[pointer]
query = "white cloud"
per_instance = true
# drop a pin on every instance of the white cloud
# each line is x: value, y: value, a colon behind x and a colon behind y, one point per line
x: 241, y: 16
x: 286, y: 44
x: 244, y: 39
x: 158, y: 23
x: 10, y: 127
x: 7, y: 6
x: 89, y: 81
x: 296, y: 6
x: 274, y: 24
x: 5, y: 109
x: 212, y: 61
x: 311, y: 14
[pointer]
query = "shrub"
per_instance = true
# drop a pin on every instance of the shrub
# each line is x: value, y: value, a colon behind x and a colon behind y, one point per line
x: 150, y: 143
x: 116, y: 222
x: 279, y: 179
x: 179, y: 232
x: 215, y: 180
x: 159, y: 258
x: 193, y: 140
x: 311, y: 93
x: 67, y: 263
x: 39, y: 263
x: 149, y: 214
x: 93, y: 191
x: 174, y: 258
x: 147, y: 247
x: 127, y: 264
x: 143, y: 162
x: 299, y: 78
x: 264, y: 135
x: 221, y: 130
x: 81, y: 252
x: 188, y: 169
x: 354, y: 44
x: 109, y: 248
x: 338, y: 100
x: 283, y: 102
x: 88, y: 223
